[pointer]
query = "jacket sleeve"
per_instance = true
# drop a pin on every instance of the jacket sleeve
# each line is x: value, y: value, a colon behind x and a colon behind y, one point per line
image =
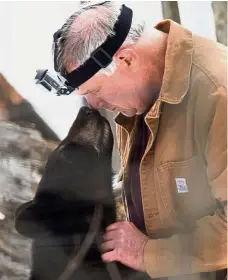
x: 205, y: 249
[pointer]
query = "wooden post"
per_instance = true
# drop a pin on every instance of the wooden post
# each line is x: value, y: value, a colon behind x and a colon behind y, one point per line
x: 170, y: 10
x: 220, y: 16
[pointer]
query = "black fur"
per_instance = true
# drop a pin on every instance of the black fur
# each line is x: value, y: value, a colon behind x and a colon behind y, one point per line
x: 77, y: 176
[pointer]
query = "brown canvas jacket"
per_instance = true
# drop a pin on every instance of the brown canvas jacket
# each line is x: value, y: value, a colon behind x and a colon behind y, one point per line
x: 187, y: 145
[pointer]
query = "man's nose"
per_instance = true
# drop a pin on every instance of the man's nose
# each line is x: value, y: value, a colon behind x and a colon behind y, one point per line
x: 93, y: 102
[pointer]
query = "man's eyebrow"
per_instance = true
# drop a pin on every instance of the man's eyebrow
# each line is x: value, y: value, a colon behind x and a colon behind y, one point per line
x: 91, y: 92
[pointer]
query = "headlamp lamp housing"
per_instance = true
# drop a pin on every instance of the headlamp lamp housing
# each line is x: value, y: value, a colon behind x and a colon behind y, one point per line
x: 58, y: 84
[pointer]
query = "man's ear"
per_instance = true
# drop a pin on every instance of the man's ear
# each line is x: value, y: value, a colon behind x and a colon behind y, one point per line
x: 128, y: 58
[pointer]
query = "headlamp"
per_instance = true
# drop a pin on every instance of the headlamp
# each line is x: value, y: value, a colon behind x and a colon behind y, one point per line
x: 100, y: 58
x: 56, y: 84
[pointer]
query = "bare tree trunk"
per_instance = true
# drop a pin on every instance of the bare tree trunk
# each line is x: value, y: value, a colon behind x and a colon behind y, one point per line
x: 23, y: 153
x: 170, y: 10
x: 220, y: 16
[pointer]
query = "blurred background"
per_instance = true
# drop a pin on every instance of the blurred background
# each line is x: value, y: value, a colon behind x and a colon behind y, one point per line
x: 33, y: 121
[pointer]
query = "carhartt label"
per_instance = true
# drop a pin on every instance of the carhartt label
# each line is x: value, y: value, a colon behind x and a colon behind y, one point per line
x: 181, y: 185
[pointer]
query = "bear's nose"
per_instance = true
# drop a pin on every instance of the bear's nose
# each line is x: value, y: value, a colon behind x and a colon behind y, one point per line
x: 87, y: 110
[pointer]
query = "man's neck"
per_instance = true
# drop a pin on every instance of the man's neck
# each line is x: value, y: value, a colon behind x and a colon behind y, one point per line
x: 155, y: 44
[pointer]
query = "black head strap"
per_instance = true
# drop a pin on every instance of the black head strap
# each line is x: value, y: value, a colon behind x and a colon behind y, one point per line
x: 103, y: 55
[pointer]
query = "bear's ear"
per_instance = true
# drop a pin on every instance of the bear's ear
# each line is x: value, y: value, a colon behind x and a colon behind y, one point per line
x: 27, y: 222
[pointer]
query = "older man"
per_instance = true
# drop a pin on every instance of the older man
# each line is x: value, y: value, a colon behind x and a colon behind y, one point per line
x: 169, y: 87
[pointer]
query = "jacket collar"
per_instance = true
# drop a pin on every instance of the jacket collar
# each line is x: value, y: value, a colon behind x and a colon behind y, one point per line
x: 178, y: 61
x: 176, y: 79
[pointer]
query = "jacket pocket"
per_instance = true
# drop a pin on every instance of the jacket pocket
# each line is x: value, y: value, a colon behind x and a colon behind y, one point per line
x: 184, y: 190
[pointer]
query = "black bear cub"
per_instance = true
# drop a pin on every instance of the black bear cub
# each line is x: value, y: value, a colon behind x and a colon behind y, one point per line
x: 77, y: 177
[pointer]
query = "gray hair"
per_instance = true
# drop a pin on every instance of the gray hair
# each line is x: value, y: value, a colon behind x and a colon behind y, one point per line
x: 79, y: 40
